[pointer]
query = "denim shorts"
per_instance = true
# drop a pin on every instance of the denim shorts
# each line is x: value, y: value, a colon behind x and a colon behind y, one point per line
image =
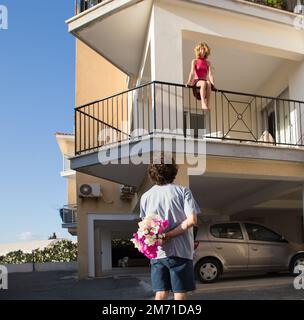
x: 172, y: 274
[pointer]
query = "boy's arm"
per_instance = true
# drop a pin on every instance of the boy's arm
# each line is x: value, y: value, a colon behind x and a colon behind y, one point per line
x: 191, y: 210
x: 180, y: 229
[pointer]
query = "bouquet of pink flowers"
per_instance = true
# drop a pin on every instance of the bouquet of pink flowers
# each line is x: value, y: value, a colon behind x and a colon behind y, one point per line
x: 147, y: 238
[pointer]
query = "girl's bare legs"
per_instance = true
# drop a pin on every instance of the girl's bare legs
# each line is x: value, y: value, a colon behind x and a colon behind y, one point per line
x: 208, y: 94
x: 203, y: 86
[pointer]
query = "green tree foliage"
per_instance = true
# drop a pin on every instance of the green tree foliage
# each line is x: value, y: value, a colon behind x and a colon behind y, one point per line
x: 61, y: 251
x: 279, y: 4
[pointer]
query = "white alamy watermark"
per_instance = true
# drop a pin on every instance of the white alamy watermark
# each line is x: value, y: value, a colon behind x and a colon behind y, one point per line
x: 190, y: 151
x: 298, y: 281
x: 3, y: 17
x: 3, y: 278
x: 298, y: 21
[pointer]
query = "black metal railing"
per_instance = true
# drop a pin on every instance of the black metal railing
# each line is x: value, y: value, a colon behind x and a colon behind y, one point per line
x: 162, y: 107
x: 83, y: 5
x: 68, y: 214
x: 287, y: 5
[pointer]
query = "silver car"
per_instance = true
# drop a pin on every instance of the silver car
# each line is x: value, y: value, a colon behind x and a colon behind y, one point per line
x: 242, y: 246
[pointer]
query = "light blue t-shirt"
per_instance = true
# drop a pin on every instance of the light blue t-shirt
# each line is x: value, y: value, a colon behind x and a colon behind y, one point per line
x: 174, y: 203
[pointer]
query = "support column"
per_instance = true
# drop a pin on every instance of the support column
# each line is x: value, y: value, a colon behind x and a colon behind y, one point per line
x: 296, y: 83
x: 166, y: 66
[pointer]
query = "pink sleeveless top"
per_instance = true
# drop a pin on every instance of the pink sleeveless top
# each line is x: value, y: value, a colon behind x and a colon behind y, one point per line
x: 201, y: 68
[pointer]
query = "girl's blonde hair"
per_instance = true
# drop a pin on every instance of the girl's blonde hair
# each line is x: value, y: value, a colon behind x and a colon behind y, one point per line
x: 202, y: 45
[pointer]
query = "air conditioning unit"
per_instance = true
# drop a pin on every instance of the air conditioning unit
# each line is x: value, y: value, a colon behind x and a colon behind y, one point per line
x: 90, y: 190
x: 127, y: 192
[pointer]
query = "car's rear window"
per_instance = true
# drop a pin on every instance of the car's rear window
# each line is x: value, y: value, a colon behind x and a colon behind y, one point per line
x: 227, y: 231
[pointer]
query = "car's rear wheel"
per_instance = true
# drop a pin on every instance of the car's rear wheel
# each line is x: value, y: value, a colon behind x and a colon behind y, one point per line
x: 296, y: 261
x: 208, y: 270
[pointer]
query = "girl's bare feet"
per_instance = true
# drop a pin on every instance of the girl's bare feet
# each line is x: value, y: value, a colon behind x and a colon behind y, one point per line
x: 204, y: 106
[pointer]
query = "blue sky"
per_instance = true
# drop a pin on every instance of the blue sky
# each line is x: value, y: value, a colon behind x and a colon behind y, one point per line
x: 37, y: 61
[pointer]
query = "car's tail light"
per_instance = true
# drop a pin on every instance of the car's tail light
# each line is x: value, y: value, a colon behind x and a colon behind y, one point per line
x: 196, y: 243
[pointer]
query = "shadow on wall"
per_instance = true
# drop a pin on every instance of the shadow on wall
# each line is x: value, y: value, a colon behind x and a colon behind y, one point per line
x: 288, y: 222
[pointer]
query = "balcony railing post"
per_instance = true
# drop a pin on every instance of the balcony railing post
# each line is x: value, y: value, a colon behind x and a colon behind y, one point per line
x: 69, y: 214
x: 76, y: 7
x: 75, y: 132
x: 301, y: 120
x: 82, y: 5
x: 154, y: 106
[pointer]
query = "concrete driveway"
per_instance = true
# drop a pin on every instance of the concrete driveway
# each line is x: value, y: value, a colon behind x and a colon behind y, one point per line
x: 66, y: 286
x: 121, y: 282
x: 254, y: 287
x: 246, y: 287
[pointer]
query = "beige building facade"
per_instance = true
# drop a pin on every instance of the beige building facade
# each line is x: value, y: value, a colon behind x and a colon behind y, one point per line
x: 131, y: 100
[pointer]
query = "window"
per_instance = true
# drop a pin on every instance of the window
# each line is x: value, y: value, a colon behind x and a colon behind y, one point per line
x: 227, y: 231
x: 260, y: 233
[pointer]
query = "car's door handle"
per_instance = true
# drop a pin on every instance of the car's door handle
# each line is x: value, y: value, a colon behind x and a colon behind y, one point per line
x: 219, y: 248
x: 254, y: 249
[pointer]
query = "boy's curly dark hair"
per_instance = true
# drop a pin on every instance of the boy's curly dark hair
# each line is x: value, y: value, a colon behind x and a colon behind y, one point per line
x: 162, y: 172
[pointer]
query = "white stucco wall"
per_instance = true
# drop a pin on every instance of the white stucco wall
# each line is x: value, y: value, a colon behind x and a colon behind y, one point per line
x: 42, y: 267
x: 285, y: 222
x: 106, y: 247
x: 275, y: 49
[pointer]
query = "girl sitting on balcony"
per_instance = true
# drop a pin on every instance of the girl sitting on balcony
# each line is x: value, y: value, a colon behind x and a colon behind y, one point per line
x: 203, y: 80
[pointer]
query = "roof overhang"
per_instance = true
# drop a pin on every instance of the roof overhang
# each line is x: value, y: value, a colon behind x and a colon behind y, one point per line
x: 125, y: 21
x: 65, y: 142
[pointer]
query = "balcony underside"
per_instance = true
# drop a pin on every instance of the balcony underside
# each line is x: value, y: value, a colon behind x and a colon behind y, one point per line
x: 217, y: 191
x: 228, y: 195
x: 130, y: 173
x: 125, y: 21
x: 72, y: 230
